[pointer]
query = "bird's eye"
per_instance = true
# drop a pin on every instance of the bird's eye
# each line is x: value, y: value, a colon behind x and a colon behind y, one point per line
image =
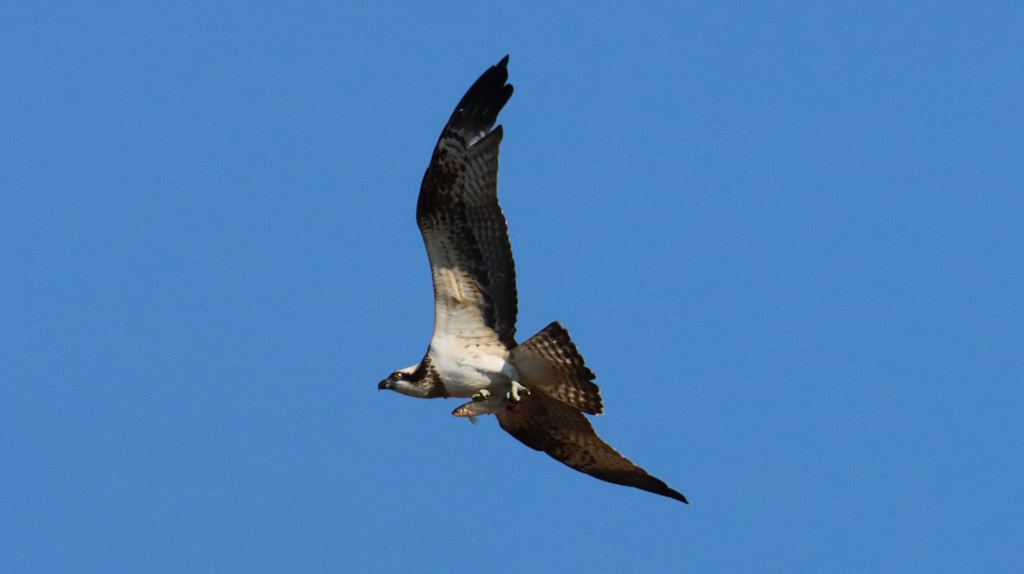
x: 398, y: 376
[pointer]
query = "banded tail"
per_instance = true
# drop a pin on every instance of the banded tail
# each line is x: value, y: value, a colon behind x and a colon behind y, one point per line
x: 550, y: 362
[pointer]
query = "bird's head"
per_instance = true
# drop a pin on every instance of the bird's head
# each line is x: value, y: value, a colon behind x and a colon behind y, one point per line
x: 408, y: 381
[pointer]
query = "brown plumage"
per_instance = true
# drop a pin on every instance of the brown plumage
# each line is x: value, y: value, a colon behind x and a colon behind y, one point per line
x: 549, y: 425
x: 473, y: 351
x: 458, y: 212
x: 550, y: 361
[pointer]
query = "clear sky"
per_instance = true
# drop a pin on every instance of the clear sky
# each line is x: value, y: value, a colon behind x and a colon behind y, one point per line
x: 788, y: 239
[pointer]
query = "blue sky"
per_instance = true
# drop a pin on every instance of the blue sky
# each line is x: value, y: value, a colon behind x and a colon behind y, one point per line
x: 787, y: 239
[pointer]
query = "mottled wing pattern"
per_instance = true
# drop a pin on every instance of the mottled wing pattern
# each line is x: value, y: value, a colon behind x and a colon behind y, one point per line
x: 463, y: 226
x: 550, y: 361
x: 547, y: 424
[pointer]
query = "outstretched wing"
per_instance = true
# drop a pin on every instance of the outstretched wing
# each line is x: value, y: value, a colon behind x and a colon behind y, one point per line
x: 463, y: 226
x: 547, y: 424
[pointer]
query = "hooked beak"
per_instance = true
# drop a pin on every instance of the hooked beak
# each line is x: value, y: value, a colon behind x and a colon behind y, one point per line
x: 384, y: 385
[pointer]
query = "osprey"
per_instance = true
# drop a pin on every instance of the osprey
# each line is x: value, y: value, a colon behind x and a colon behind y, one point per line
x: 539, y: 389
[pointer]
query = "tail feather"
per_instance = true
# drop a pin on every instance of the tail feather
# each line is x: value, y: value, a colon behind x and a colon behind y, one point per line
x: 550, y: 361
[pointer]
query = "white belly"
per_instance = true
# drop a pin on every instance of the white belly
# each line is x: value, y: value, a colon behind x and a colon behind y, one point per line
x: 466, y: 371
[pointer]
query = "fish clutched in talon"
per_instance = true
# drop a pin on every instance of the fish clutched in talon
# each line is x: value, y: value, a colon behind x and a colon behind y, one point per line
x: 475, y: 408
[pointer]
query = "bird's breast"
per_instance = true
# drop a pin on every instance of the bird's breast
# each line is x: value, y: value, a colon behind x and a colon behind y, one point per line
x: 466, y: 370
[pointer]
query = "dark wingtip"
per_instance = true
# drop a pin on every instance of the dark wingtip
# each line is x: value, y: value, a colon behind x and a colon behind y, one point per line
x: 677, y: 496
x: 657, y: 486
x: 478, y: 110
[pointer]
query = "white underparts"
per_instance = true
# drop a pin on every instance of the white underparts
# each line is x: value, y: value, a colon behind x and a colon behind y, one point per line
x: 467, y: 368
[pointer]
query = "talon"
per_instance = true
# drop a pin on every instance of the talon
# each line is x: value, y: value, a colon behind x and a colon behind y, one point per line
x: 482, y: 395
x: 516, y: 391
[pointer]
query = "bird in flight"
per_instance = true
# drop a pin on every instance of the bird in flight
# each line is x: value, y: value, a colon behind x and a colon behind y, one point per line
x: 538, y: 390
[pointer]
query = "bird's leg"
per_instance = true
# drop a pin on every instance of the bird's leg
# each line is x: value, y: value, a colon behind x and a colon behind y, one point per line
x: 482, y: 395
x: 516, y: 392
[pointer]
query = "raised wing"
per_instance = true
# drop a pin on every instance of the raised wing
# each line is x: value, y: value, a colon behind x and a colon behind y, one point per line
x: 547, y: 424
x: 463, y: 226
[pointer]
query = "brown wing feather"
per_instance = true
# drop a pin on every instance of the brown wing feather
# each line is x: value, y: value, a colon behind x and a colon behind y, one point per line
x: 546, y: 424
x: 462, y: 223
